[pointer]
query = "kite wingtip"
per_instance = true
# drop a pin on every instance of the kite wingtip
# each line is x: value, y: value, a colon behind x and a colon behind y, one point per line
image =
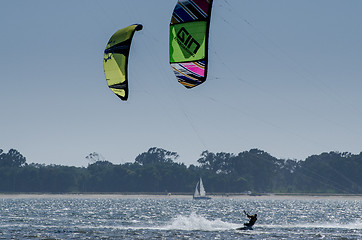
x: 139, y: 27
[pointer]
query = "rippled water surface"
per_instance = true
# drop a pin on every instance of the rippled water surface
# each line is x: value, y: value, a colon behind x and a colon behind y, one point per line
x: 132, y: 217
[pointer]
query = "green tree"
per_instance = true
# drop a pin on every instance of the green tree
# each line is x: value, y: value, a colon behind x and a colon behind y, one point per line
x: 156, y: 155
x: 12, y: 159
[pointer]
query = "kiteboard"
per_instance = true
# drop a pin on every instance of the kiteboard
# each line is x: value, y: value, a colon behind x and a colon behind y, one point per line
x: 244, y: 228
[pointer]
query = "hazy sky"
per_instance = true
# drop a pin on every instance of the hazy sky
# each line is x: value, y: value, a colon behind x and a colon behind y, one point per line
x: 284, y: 76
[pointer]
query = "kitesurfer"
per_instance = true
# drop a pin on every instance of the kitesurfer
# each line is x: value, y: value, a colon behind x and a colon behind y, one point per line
x: 252, y: 220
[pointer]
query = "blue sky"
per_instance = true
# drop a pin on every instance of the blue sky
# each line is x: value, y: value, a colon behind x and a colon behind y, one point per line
x: 284, y: 77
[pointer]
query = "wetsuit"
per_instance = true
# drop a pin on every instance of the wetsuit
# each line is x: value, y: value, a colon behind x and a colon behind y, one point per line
x: 251, y: 221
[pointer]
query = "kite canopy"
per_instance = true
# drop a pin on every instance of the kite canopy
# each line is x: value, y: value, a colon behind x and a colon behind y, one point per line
x: 116, y: 60
x: 189, y: 33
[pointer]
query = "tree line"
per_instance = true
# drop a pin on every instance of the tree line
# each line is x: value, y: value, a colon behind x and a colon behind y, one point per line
x: 157, y: 171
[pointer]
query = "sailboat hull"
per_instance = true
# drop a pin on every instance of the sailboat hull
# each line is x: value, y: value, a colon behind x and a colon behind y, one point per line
x: 202, y: 198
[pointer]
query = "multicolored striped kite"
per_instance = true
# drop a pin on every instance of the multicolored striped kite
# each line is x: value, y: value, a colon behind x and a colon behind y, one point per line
x: 189, y: 33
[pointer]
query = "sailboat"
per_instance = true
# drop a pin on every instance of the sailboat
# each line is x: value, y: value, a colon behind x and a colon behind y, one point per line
x: 200, y: 191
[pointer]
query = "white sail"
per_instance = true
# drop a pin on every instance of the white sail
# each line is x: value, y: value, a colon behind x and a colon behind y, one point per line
x: 202, y: 189
x: 200, y: 192
x: 197, y: 193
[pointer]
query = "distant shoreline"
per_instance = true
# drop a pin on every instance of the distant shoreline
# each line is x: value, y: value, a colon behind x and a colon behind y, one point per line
x: 178, y: 196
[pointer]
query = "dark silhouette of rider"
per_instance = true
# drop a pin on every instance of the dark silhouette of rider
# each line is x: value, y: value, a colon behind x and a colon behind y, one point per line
x: 252, y: 220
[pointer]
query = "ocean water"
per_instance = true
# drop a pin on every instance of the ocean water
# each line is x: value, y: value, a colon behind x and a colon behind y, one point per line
x: 177, y: 217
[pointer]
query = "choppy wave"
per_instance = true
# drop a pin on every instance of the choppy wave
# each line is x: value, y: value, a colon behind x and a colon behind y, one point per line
x: 73, y: 218
x: 192, y: 222
x: 327, y: 225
